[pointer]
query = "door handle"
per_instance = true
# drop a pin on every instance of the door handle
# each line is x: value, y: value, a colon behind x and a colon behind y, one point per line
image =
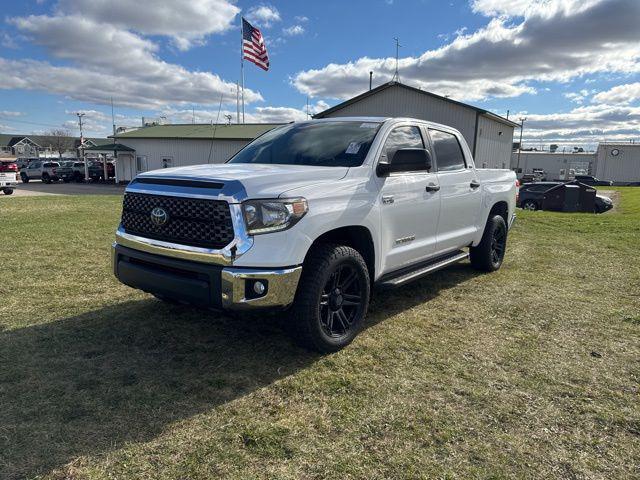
x: 474, y: 184
x: 432, y: 187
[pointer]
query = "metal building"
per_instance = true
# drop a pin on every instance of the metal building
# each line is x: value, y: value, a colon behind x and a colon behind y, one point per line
x: 555, y: 165
x: 178, y: 145
x: 618, y: 162
x: 490, y: 136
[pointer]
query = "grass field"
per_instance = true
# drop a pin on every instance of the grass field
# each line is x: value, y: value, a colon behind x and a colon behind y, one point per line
x: 530, y: 372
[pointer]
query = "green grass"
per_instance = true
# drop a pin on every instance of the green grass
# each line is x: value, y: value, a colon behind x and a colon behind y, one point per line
x: 530, y: 372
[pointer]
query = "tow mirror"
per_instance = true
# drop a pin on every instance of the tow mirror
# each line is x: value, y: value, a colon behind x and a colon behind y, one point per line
x: 406, y: 160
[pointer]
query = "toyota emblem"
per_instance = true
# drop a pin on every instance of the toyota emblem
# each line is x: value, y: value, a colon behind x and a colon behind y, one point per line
x: 159, y: 216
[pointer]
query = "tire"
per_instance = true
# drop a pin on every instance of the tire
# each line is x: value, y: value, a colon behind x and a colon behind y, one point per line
x: 66, y: 180
x: 529, y: 205
x: 8, y: 191
x: 46, y: 178
x: 489, y: 254
x: 24, y: 178
x: 332, y: 298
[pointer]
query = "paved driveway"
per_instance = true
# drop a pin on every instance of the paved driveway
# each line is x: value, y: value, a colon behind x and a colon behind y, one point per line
x: 36, y: 188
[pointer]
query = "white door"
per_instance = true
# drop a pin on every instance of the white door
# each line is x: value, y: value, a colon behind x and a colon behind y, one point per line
x: 409, y: 212
x: 460, y: 192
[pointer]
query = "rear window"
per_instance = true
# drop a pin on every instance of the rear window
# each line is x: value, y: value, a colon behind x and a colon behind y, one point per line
x: 448, y: 152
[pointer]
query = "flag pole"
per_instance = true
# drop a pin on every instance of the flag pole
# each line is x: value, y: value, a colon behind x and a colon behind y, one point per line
x: 242, y: 63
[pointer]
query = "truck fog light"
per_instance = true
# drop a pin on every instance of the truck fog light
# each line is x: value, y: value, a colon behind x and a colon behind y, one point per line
x: 259, y: 287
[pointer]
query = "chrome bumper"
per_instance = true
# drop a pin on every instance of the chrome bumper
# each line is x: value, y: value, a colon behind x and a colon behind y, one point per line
x: 228, y: 288
x: 237, y: 284
x: 512, y: 220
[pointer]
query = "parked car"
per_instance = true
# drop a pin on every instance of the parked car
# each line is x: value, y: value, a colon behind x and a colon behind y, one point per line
x: 96, y: 170
x: 8, y: 177
x: 309, y: 216
x: 40, y: 169
x: 593, y: 181
x: 71, y: 170
x: 603, y: 204
x: 530, y: 177
x: 531, y: 195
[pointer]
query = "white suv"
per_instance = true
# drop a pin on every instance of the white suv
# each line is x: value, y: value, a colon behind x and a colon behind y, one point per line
x: 40, y: 169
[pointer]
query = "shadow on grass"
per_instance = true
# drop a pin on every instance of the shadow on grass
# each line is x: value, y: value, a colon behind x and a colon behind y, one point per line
x: 87, y: 384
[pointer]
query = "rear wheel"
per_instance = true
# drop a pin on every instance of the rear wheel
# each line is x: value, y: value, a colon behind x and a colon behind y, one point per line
x: 489, y: 253
x: 24, y: 178
x: 332, y: 298
x: 530, y: 205
x: 8, y: 191
x: 46, y: 178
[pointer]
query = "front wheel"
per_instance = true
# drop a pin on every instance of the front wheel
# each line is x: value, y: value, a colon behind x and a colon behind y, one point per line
x: 530, y: 205
x: 46, y: 178
x: 8, y: 191
x: 488, y: 255
x: 24, y: 178
x: 332, y: 298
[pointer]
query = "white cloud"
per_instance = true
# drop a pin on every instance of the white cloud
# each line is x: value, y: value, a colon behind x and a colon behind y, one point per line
x: 111, y: 62
x: 9, y: 113
x: 293, y: 30
x: 263, y: 15
x: 579, y: 97
x: 555, y: 41
x: 494, y: 8
x: 187, y: 23
x: 301, y: 18
x: 620, y: 94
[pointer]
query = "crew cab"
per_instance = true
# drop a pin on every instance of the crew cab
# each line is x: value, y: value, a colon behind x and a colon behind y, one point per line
x: 8, y: 176
x: 310, y: 216
x: 44, y: 170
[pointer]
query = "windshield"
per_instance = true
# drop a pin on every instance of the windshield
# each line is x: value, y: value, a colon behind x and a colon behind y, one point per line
x: 322, y: 144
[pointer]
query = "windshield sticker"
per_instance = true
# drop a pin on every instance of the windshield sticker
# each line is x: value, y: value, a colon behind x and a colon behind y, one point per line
x: 368, y: 125
x: 353, y: 148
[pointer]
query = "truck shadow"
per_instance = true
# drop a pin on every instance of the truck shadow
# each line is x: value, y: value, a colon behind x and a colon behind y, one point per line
x: 87, y: 384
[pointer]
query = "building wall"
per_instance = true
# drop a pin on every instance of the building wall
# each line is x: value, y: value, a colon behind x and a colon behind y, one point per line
x: 182, y: 152
x: 625, y: 167
x: 552, y: 163
x: 495, y: 142
x: 402, y: 102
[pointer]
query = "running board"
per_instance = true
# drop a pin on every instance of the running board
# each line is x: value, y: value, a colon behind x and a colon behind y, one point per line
x: 396, y: 279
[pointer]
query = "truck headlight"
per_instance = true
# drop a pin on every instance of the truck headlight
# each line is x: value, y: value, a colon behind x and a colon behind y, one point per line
x: 265, y: 216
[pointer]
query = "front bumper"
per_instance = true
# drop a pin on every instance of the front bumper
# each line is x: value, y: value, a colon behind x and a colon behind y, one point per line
x: 202, y: 284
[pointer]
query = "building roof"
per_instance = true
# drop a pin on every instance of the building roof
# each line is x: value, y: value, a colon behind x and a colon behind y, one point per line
x: 385, y: 86
x: 246, y: 131
x: 110, y: 147
x: 9, y: 139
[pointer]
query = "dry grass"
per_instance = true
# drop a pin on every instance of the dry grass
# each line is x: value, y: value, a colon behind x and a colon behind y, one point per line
x: 531, y: 372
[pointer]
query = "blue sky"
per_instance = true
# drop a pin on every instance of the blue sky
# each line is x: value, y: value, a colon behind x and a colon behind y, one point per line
x: 572, y: 67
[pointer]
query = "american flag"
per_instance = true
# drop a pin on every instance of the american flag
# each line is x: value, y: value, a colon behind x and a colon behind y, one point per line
x: 253, y: 47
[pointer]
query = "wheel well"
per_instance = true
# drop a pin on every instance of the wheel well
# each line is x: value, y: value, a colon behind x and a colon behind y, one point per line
x: 356, y: 237
x: 502, y: 209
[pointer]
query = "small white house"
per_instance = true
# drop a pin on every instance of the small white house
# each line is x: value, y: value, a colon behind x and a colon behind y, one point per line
x: 553, y: 164
x: 618, y: 162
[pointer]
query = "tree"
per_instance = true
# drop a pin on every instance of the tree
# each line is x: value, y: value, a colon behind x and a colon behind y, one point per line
x: 60, y: 140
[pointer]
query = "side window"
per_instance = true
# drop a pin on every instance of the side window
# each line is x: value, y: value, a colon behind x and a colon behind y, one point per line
x: 448, y: 152
x: 402, y: 137
x: 167, y: 162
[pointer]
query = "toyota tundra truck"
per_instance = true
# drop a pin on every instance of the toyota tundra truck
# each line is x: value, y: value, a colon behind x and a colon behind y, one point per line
x: 310, y: 216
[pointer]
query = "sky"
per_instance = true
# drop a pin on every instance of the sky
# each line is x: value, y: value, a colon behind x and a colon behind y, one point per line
x: 570, y: 67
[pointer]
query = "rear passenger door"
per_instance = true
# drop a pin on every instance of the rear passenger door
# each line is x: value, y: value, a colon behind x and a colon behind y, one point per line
x: 460, y: 193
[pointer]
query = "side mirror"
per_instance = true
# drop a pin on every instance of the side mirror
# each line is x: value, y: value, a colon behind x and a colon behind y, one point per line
x: 406, y: 160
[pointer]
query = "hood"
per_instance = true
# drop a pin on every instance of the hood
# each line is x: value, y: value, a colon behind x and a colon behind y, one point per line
x: 256, y: 180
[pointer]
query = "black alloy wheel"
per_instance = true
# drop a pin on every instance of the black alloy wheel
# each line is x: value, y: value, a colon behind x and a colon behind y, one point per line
x: 498, y: 243
x: 341, y: 301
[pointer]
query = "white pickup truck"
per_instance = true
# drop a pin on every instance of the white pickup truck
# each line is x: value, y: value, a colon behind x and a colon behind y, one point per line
x: 310, y: 216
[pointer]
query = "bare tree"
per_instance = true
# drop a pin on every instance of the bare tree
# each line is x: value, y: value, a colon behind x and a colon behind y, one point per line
x: 60, y: 140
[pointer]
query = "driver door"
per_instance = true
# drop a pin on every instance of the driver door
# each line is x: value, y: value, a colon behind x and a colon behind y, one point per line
x: 409, y: 205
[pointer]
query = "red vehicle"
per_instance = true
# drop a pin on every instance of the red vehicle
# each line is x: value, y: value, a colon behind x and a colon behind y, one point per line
x: 8, y: 176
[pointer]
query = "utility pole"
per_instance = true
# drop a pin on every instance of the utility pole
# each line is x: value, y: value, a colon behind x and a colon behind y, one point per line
x: 396, y: 75
x: 370, y: 80
x: 522, y: 119
x: 86, y: 167
x: 307, y: 107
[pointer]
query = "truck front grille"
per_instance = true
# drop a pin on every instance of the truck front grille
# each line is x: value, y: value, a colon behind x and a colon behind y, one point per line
x: 188, y: 221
